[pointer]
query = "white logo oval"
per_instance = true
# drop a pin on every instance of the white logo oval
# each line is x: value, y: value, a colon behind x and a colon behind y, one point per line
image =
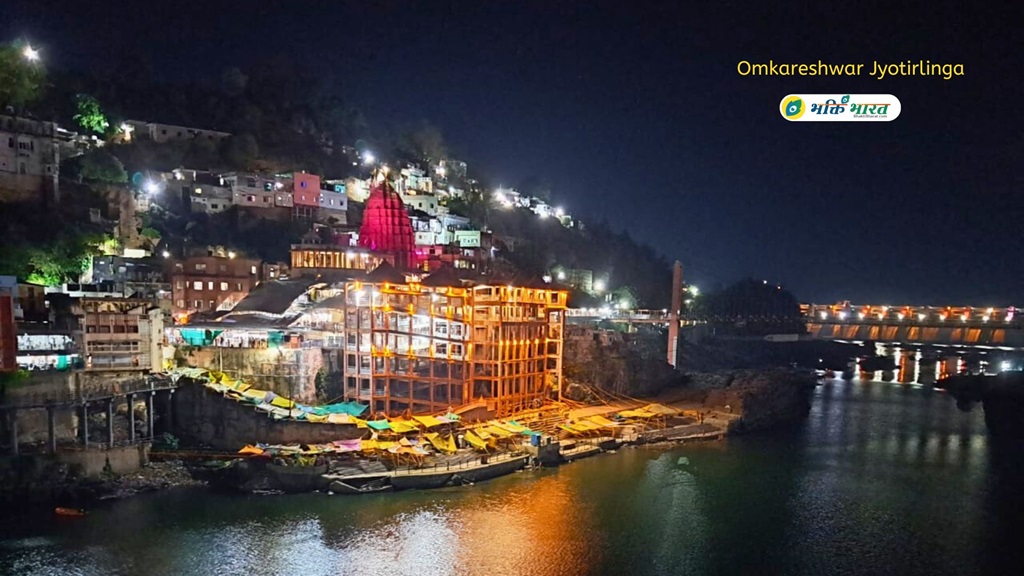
x: 840, y: 107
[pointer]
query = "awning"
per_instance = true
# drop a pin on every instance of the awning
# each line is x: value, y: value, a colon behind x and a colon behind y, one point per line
x: 403, y: 426
x: 475, y: 441
x: 379, y: 424
x: 661, y: 410
x: 602, y: 421
x: 429, y: 421
x: 446, y: 445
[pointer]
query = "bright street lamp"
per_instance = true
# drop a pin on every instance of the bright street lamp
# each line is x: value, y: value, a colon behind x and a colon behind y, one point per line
x: 30, y: 53
x: 369, y: 158
x: 150, y: 187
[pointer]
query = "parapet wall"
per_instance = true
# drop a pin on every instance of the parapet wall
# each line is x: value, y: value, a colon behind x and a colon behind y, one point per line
x: 289, y: 372
x: 206, y: 418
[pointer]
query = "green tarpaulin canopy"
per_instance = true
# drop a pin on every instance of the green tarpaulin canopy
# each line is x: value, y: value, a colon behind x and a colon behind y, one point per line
x: 378, y: 424
x: 350, y: 408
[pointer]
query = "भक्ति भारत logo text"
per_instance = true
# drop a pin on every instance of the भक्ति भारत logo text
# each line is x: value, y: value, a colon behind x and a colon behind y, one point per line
x: 840, y: 107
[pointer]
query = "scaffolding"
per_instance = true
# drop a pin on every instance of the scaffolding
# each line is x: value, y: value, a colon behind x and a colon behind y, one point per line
x: 411, y: 348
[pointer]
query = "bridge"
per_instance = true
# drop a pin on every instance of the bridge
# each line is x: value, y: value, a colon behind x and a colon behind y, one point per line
x: 950, y: 325
x: 953, y: 325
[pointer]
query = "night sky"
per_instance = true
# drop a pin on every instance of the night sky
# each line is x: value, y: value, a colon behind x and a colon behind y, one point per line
x: 634, y: 111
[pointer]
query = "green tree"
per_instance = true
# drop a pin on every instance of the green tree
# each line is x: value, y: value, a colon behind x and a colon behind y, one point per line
x: 21, y: 79
x: 90, y: 116
x: 96, y: 165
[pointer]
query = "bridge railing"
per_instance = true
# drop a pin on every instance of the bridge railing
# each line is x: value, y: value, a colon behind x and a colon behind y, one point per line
x: 948, y: 316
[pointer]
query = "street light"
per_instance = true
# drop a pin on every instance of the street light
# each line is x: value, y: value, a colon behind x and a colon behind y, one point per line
x: 30, y: 53
x: 369, y: 158
x: 150, y: 187
x: 599, y: 286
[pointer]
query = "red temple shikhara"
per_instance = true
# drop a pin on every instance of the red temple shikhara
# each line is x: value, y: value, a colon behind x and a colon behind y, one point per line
x: 386, y: 227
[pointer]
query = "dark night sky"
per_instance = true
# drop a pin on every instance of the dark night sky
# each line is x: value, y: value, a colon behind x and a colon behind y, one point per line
x: 634, y: 111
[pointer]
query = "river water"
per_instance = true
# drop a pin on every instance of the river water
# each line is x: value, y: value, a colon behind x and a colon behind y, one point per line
x: 882, y: 478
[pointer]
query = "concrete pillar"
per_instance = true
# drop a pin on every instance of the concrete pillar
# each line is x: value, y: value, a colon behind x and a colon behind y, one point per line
x: 12, y: 415
x: 169, y: 415
x: 149, y: 414
x: 110, y: 423
x: 51, y: 430
x: 131, y: 418
x: 85, y: 424
x: 673, y: 313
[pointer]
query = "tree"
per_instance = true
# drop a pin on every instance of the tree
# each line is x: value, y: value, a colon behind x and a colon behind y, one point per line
x: 90, y: 117
x: 97, y: 165
x: 21, y: 79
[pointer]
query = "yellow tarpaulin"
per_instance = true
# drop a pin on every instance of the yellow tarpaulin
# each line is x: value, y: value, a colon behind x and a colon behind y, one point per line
x: 482, y: 433
x: 661, y: 410
x: 255, y: 394
x: 282, y: 402
x: 446, y: 445
x: 315, y: 418
x: 569, y: 429
x: 429, y: 421
x: 499, y: 432
x: 476, y: 441
x: 513, y: 428
x: 602, y: 421
x: 251, y: 450
x: 585, y: 426
x: 402, y: 426
x: 636, y: 414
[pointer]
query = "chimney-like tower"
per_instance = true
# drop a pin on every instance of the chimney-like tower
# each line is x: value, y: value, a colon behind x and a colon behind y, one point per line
x: 673, y: 313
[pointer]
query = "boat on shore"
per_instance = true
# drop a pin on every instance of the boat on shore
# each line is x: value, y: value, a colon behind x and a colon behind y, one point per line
x: 359, y: 484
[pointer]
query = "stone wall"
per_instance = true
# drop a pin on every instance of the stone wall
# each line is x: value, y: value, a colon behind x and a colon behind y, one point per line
x: 205, y: 418
x: 94, y: 462
x: 290, y: 372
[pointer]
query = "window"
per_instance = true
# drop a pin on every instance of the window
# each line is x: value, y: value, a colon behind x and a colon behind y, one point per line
x: 200, y: 267
x: 197, y: 285
x: 250, y: 198
x: 163, y: 132
x: 212, y: 305
x: 238, y: 286
x: 213, y: 206
x: 199, y: 304
x: 209, y: 285
x: 224, y: 286
x: 178, y: 267
x: 252, y: 270
x: 10, y: 142
x: 266, y: 199
x: 180, y: 303
x: 178, y: 285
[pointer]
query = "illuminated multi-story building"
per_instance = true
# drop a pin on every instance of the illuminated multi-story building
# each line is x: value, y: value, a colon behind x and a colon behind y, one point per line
x: 427, y: 346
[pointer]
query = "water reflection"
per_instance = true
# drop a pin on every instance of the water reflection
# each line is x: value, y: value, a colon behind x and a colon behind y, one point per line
x: 923, y: 365
x: 880, y: 478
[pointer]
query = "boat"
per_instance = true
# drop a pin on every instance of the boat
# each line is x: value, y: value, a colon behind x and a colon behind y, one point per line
x: 70, y: 512
x: 297, y: 478
x: 360, y: 484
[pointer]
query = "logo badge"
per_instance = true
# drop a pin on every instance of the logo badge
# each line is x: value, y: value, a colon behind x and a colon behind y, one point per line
x: 840, y: 107
x: 792, y: 107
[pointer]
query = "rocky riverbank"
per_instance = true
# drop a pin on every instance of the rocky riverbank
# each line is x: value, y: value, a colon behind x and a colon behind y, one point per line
x: 32, y: 480
x: 1001, y: 396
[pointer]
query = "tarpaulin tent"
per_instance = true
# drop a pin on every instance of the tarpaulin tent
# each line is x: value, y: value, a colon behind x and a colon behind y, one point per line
x: 475, y: 441
x: 379, y: 424
x: 352, y: 408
